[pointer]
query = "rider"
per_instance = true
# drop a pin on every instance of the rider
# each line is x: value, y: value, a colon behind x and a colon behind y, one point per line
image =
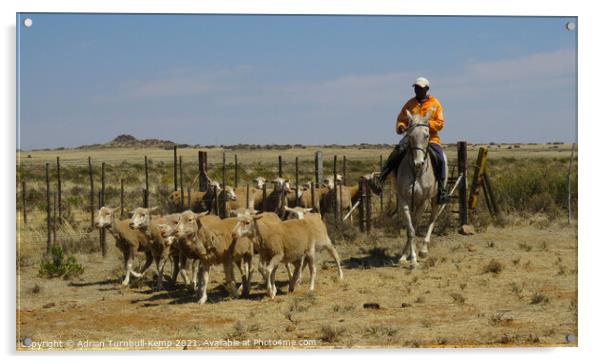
x: 417, y: 105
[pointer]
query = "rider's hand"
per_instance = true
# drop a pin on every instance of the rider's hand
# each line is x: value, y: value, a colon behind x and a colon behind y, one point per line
x: 401, y: 129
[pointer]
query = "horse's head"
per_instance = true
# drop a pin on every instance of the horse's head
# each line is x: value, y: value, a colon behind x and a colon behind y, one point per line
x: 417, y: 137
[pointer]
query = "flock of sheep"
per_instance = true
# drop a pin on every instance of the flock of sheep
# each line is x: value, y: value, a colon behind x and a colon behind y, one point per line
x: 285, y: 232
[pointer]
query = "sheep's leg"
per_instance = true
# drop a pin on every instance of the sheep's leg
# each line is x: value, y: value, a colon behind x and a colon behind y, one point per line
x: 303, y: 265
x: 288, y: 270
x: 293, y: 282
x: 203, y: 278
x: 159, y: 264
x: 147, y: 264
x: 270, y: 271
x: 333, y: 253
x: 248, y: 268
x: 126, y: 259
x: 230, y: 283
x: 195, y: 273
x: 312, y: 270
x: 427, y: 239
x: 176, y: 270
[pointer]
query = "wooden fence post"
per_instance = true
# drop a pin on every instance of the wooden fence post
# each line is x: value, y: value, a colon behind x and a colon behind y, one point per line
x: 59, y: 189
x: 48, y: 227
x: 189, y: 198
x: 477, y: 179
x: 318, y: 165
x: 181, y: 187
x: 344, y: 170
x: 248, y: 198
x: 368, y: 211
x: 280, y: 166
x: 335, y: 202
x: 215, y: 200
x: 222, y: 200
x: 54, y: 202
x: 382, y: 194
x: 146, y: 188
x: 362, y: 183
x: 175, y: 167
x: 312, y: 187
x: 121, y: 192
x: 24, y: 202
x: 235, y: 171
x: 103, y: 237
x: 296, y: 181
x: 463, y: 204
x: 91, y: 193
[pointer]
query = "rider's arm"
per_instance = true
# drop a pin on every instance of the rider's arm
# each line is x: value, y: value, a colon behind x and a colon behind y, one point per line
x: 436, y: 122
x: 402, y: 119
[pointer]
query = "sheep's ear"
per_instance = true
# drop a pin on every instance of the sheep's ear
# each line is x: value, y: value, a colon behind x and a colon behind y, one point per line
x: 308, y: 209
x: 114, y: 210
x: 130, y: 214
x: 286, y: 208
x: 257, y: 217
x: 153, y: 209
x: 254, y: 211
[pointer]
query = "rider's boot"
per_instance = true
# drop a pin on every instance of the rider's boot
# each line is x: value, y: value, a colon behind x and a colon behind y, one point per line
x: 376, y: 184
x: 442, y: 195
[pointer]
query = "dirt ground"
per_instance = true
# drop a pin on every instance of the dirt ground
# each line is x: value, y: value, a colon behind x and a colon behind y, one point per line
x: 512, y: 286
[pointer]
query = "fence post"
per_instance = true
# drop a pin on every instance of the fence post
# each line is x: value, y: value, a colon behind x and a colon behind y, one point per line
x: 368, y: 212
x: 382, y: 194
x: 54, y: 218
x: 248, y: 197
x: 362, y: 183
x: 91, y: 193
x: 146, y: 190
x: 222, y: 200
x: 296, y: 181
x: 344, y: 170
x: 59, y: 189
x: 336, y: 202
x: 200, y: 163
x: 215, y: 202
x: 318, y: 168
x: 235, y: 171
x: 462, y: 167
x: 280, y: 166
x: 23, y: 203
x: 103, y: 237
x: 181, y: 187
x: 48, y: 227
x: 121, y: 199
x: 175, y: 167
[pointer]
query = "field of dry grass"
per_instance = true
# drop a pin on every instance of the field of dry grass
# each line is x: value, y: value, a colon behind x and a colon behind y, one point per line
x: 514, y: 285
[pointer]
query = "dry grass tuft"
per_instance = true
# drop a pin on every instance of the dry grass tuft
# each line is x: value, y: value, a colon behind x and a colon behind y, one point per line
x: 493, y: 266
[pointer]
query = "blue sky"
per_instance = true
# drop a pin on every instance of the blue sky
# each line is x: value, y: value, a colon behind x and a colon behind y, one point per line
x: 228, y: 79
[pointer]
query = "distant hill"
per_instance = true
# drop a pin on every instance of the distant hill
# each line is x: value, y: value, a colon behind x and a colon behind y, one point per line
x: 129, y: 141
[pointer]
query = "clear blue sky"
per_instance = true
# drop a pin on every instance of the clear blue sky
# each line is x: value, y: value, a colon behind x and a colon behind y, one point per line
x: 228, y: 79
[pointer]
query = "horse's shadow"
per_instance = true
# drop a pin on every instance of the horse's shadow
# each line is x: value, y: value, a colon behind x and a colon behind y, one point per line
x: 376, y: 258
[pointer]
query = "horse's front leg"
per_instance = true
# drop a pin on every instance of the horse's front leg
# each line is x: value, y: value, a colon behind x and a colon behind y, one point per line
x: 427, y: 239
x: 409, y: 250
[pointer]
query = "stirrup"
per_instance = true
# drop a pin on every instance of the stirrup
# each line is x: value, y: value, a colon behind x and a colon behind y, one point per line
x: 443, y: 197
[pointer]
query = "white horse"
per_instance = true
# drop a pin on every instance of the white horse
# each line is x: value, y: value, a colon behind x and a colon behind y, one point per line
x: 416, y: 184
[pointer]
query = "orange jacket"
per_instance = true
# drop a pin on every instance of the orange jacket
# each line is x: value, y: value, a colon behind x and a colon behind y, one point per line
x: 435, y: 123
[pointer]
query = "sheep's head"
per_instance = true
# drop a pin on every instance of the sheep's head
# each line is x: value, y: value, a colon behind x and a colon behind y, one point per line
x: 297, y: 212
x: 279, y: 183
x: 259, y: 182
x: 245, y: 226
x: 215, y: 185
x: 175, y: 197
x: 168, y: 229
x: 306, y: 186
x: 104, y: 217
x: 230, y: 193
x: 242, y: 210
x: 188, y: 224
x: 141, y: 217
x: 331, y: 180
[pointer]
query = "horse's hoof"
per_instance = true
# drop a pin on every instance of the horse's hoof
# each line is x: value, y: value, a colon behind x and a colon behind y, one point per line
x: 423, y: 254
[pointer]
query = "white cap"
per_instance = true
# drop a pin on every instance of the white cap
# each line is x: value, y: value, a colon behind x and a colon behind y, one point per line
x: 422, y: 82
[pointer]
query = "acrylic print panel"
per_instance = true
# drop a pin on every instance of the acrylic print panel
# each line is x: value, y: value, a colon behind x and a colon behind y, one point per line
x: 159, y: 154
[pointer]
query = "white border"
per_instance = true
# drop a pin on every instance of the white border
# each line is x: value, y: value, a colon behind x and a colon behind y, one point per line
x: 589, y: 180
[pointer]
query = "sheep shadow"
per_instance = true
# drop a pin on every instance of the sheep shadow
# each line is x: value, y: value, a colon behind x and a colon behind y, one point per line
x: 182, y: 294
x: 103, y: 282
x: 376, y: 258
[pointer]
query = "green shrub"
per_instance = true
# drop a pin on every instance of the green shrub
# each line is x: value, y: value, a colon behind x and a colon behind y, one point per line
x: 58, y: 266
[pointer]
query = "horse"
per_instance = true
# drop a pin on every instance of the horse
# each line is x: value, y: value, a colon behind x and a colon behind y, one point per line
x: 416, y: 184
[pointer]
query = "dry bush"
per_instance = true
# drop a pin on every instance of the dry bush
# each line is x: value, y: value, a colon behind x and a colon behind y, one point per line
x: 493, y: 266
